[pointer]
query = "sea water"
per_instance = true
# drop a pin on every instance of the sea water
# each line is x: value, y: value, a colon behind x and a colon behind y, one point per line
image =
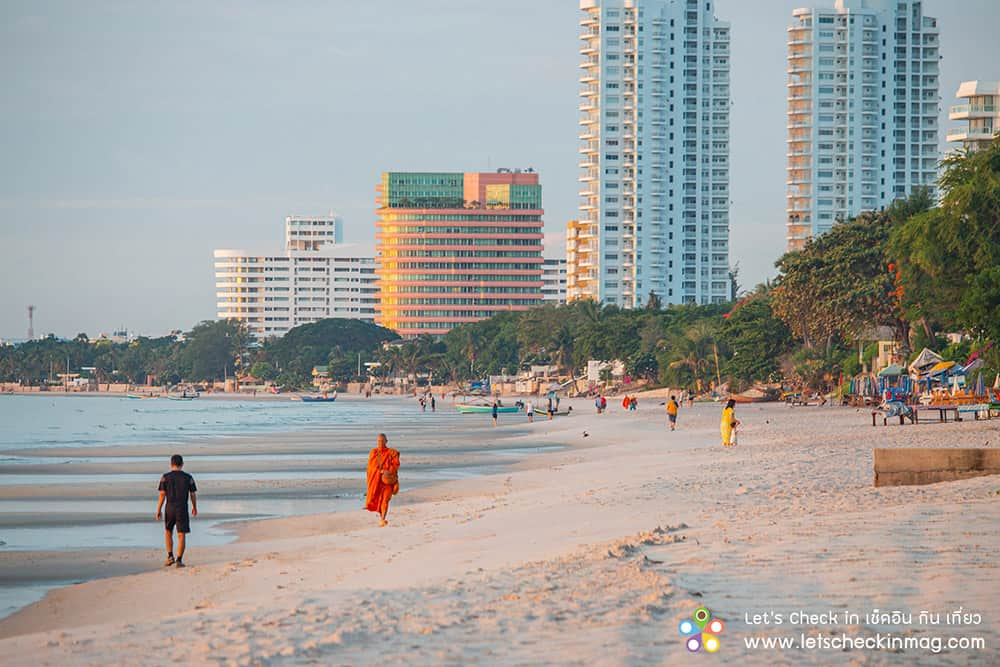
x: 63, y: 432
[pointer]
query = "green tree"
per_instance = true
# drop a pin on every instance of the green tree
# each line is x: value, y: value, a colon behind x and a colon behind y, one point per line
x: 756, y: 340
x: 839, y: 285
x: 263, y: 371
x: 946, y: 256
x: 212, y: 348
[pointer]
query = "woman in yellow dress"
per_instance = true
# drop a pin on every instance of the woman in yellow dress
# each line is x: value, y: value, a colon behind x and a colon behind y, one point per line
x: 728, y: 424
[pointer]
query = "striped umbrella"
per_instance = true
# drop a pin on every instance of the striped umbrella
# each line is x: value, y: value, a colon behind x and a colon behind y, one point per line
x: 980, y: 385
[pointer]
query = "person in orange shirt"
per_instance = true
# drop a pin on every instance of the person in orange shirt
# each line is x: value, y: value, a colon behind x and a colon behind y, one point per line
x: 383, y: 478
x: 672, y: 412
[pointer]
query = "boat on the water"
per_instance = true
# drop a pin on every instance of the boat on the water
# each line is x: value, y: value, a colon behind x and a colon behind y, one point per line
x: 469, y: 408
x: 316, y: 399
x: 138, y: 398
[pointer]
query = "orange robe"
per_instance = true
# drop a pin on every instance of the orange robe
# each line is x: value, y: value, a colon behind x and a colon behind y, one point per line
x: 378, y: 491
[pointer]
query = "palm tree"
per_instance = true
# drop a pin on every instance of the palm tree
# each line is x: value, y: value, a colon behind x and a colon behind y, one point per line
x: 562, y: 347
x: 694, y: 350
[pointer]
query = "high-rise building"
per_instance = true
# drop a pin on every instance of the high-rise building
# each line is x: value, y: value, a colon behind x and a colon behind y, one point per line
x: 457, y: 247
x: 981, y: 111
x: 314, y: 278
x: 581, y: 261
x: 654, y: 154
x: 862, y: 110
x: 554, y: 280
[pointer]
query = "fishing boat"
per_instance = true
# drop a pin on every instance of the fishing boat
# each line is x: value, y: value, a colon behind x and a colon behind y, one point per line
x: 560, y: 413
x: 753, y: 395
x: 316, y: 399
x: 469, y: 408
x: 138, y: 398
x: 180, y: 398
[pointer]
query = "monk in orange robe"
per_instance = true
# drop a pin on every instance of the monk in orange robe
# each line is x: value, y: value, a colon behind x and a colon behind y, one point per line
x: 383, y: 480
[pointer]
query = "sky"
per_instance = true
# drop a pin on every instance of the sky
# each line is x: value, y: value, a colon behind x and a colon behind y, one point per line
x: 138, y: 137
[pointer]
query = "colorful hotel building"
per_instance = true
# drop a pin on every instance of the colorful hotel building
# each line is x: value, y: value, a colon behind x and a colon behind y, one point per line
x: 456, y: 247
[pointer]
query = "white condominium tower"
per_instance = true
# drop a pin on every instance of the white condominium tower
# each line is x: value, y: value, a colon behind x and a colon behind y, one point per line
x: 654, y: 154
x: 314, y: 278
x: 862, y: 110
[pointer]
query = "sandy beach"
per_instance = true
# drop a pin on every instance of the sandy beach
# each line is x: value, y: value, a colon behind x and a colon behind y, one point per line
x: 588, y: 553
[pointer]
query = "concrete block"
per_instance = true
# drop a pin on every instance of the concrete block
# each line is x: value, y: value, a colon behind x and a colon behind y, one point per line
x: 901, y: 467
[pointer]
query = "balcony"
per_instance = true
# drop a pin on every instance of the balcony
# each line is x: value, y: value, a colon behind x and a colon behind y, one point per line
x: 963, y: 111
x: 971, y: 134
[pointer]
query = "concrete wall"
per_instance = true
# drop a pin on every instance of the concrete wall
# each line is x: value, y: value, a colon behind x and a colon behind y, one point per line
x: 899, y: 467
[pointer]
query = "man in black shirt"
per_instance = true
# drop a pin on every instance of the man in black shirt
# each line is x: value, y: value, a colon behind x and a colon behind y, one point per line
x: 174, y: 489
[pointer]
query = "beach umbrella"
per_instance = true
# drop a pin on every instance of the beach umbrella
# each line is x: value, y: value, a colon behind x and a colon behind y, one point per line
x: 980, y: 386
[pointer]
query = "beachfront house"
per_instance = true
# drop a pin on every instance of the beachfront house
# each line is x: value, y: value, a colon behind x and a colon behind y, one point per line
x: 321, y: 376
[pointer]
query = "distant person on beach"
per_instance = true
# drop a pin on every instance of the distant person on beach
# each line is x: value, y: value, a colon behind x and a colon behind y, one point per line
x: 530, y: 409
x: 433, y: 404
x: 551, y: 409
x: 672, y: 412
x: 383, y: 478
x: 633, y: 403
x: 728, y: 424
x: 175, y: 488
x: 495, y: 412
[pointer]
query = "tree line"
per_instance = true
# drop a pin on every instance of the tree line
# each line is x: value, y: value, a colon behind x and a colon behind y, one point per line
x: 918, y: 267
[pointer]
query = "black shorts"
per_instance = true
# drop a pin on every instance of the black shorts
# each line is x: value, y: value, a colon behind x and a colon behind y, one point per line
x: 174, y: 516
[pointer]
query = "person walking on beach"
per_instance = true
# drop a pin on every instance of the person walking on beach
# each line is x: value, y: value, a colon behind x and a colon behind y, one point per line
x: 495, y: 412
x: 175, y: 488
x: 433, y: 404
x: 530, y: 409
x: 728, y: 424
x: 672, y: 412
x: 383, y: 478
x: 633, y: 403
x: 551, y: 410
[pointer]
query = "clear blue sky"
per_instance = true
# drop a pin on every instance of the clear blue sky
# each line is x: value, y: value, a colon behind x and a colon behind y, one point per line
x: 138, y: 137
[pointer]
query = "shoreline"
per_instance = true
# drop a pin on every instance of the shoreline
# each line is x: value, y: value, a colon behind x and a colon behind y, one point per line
x: 620, y: 535
x: 258, y: 456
